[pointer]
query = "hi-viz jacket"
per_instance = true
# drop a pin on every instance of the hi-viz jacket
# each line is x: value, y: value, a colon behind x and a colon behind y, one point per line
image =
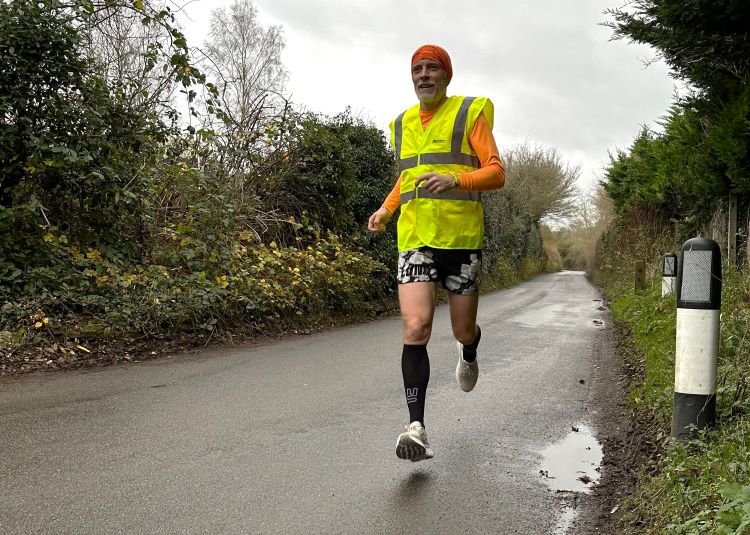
x: 453, y: 219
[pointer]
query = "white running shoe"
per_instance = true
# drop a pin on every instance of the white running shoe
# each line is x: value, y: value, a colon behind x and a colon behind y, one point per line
x: 412, y: 444
x: 467, y: 373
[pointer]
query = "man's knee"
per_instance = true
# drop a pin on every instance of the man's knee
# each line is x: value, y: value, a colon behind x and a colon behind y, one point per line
x: 465, y: 333
x: 417, y: 332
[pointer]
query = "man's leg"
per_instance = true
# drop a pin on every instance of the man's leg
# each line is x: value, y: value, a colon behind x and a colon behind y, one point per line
x: 461, y: 274
x: 417, y: 301
x: 464, y: 322
x: 464, y: 316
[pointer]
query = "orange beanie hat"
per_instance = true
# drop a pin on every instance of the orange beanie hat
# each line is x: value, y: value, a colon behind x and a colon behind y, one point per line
x: 434, y: 53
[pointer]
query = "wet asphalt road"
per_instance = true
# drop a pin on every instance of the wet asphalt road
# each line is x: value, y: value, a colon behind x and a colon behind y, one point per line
x: 298, y: 435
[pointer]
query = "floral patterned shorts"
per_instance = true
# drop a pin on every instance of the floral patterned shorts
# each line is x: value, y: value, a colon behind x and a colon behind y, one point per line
x: 457, y: 270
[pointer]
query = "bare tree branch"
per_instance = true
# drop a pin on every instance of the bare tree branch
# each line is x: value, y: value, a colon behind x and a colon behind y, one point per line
x: 542, y: 181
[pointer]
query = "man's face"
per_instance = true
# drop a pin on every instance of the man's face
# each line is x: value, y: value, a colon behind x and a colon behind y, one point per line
x: 430, y: 82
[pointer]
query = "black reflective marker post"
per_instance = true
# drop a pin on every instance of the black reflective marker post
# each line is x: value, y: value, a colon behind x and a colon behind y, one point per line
x: 698, y: 304
x: 668, y: 274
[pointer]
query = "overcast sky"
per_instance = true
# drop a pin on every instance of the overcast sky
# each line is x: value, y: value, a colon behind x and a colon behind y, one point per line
x: 549, y: 67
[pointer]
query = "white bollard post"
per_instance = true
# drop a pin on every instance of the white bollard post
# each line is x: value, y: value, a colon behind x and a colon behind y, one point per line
x: 669, y: 274
x: 698, y: 304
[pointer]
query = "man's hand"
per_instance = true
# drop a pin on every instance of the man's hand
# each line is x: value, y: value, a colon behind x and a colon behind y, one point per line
x: 378, y: 220
x: 435, y: 183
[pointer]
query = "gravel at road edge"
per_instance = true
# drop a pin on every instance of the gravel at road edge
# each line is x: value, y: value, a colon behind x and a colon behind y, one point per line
x: 626, y: 446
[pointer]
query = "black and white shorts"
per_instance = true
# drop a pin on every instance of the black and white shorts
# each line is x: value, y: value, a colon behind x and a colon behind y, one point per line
x: 457, y: 270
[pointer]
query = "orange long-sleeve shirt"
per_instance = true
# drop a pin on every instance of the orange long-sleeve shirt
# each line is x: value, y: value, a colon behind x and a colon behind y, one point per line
x: 490, y: 175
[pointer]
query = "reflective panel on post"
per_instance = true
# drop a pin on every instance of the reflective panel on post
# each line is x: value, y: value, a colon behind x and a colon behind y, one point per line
x: 696, y: 277
x: 699, y: 275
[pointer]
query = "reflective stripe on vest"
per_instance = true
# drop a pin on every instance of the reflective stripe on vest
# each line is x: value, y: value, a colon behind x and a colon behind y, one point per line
x: 455, y: 156
x: 450, y: 195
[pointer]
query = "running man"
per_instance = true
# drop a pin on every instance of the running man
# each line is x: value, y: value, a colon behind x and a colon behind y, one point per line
x: 447, y: 155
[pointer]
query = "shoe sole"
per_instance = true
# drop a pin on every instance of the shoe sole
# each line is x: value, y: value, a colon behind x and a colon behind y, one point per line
x: 411, y: 449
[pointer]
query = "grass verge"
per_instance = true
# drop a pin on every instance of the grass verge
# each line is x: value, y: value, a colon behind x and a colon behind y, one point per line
x: 701, y: 486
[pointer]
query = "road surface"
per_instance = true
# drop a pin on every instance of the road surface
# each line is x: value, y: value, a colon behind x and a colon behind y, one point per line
x: 297, y: 436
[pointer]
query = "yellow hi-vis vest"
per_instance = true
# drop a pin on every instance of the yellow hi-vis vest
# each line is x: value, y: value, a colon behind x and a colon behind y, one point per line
x: 453, y: 219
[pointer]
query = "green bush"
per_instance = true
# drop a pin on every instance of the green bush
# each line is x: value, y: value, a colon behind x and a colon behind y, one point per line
x: 245, y: 282
x: 67, y: 142
x: 512, y: 239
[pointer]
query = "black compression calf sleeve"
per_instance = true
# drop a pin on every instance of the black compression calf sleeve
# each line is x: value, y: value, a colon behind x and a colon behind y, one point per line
x: 470, y: 351
x: 415, y: 366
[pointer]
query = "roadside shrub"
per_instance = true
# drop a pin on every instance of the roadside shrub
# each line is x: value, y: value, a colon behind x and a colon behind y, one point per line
x: 512, y: 238
x: 245, y: 282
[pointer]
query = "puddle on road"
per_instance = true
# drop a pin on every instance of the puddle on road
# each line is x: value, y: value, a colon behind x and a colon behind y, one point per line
x: 571, y: 464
